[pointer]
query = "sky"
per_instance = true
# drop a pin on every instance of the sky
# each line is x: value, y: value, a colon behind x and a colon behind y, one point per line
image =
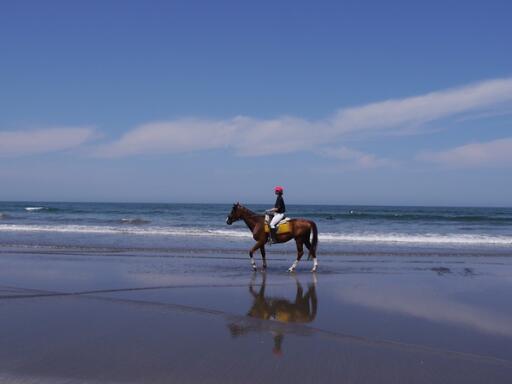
x: 340, y: 102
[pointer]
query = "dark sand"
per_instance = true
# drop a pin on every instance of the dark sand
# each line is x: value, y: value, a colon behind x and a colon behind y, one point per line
x: 174, y: 318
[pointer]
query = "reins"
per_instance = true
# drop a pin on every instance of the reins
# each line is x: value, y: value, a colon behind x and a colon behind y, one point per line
x: 250, y: 213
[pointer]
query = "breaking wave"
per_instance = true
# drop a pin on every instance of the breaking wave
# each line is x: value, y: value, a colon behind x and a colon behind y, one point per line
x: 424, y: 238
x: 134, y: 221
x: 37, y: 209
x: 376, y: 238
x: 30, y: 209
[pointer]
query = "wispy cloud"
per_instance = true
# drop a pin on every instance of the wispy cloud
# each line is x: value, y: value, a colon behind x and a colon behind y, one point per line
x: 357, y: 158
x: 491, y: 153
x: 19, y: 143
x: 398, y: 114
x: 253, y: 137
x: 244, y: 135
x: 171, y: 136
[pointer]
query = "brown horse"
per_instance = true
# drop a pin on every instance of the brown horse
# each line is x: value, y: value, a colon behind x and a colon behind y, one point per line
x: 299, y: 229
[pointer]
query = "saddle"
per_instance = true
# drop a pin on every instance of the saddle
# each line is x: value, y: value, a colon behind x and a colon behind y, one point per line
x: 282, y: 227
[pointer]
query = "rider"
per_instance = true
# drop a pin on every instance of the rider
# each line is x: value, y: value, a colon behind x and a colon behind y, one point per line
x: 279, y: 210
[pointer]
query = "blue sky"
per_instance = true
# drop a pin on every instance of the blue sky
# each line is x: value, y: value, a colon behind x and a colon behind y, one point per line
x: 351, y: 102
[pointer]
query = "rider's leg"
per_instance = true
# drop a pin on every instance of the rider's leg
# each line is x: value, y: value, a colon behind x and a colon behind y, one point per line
x: 273, y: 230
x: 276, y: 219
x: 273, y: 235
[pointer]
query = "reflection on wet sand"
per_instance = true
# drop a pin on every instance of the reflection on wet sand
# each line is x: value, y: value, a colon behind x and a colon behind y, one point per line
x: 465, y: 309
x: 277, y: 309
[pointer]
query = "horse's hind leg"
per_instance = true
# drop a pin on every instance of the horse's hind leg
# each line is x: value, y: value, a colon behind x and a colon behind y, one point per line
x: 315, y: 264
x: 307, y: 243
x: 263, y: 258
x: 300, y: 252
x: 312, y: 254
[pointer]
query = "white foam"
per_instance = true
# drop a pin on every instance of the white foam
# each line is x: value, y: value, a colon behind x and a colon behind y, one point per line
x: 134, y: 221
x: 34, y: 208
x: 425, y: 238
x: 159, y: 231
x: 392, y: 238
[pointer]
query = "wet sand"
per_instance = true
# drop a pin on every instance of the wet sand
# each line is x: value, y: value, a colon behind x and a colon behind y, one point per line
x: 191, y: 318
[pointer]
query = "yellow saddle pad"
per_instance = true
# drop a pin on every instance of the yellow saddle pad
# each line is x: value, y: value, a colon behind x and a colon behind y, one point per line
x: 283, y: 228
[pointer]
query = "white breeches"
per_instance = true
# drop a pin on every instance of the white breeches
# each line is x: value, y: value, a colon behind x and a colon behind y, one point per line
x: 276, y: 219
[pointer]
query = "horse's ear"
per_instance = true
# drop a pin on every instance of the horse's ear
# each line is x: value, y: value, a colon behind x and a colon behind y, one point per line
x: 237, y: 203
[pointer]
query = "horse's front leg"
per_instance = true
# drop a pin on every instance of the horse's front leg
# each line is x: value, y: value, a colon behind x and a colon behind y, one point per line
x: 251, y: 253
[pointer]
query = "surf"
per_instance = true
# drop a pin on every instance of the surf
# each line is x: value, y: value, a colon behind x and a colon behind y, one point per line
x: 328, y: 237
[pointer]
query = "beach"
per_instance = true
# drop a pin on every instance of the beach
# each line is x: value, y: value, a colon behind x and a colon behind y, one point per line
x: 159, y: 293
x: 148, y: 150
x: 92, y: 316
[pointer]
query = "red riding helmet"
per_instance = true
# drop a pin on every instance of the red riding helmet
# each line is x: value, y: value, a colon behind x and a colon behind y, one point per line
x: 278, y: 189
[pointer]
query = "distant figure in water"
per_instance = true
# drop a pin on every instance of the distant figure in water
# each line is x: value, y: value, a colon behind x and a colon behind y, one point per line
x: 279, y: 210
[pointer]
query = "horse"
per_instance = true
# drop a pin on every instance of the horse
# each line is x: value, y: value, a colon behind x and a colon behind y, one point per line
x: 299, y: 229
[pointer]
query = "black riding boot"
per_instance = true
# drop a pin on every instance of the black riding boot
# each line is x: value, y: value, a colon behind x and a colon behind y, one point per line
x: 273, y: 235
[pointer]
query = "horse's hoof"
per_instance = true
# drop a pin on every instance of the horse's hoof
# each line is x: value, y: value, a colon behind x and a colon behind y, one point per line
x: 291, y: 270
x: 314, y: 270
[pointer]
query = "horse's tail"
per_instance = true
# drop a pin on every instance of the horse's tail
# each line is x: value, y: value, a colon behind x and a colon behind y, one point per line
x: 314, y: 241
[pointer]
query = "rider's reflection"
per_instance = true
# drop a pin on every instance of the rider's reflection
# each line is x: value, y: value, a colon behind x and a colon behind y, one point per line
x: 302, y: 310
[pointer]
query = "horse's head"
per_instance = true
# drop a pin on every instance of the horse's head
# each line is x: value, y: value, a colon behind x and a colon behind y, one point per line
x: 235, y: 214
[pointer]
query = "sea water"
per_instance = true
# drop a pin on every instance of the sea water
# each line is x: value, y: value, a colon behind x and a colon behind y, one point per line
x: 343, y: 229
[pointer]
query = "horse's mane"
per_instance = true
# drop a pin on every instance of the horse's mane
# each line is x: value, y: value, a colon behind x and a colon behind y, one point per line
x: 247, y: 210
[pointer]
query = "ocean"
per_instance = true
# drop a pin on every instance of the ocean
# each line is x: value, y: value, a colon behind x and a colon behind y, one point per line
x: 152, y: 288
x: 343, y: 229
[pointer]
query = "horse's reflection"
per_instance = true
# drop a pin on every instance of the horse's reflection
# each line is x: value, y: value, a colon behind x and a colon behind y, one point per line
x: 302, y: 310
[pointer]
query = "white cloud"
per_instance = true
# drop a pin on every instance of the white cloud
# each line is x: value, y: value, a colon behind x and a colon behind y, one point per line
x: 491, y: 153
x: 357, y: 158
x: 250, y: 136
x: 413, y: 111
x: 173, y: 136
x: 245, y: 135
x: 18, y: 143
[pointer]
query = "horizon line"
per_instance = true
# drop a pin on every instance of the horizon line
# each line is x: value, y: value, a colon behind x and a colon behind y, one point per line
x: 257, y: 203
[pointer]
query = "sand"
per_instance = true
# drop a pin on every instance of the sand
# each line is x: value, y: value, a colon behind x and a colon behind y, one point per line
x: 96, y: 317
